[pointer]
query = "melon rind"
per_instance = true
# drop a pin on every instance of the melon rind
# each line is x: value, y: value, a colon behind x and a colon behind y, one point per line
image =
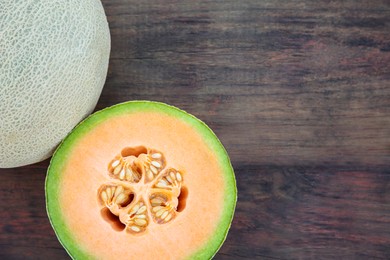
x: 53, y: 64
x: 59, y: 160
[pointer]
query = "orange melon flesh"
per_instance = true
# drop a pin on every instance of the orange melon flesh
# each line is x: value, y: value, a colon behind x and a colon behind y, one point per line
x: 79, y: 168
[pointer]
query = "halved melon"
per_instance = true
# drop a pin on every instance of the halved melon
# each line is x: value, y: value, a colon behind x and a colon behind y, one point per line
x: 141, y: 180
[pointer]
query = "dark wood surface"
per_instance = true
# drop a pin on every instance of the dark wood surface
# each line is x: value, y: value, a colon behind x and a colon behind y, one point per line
x: 297, y: 91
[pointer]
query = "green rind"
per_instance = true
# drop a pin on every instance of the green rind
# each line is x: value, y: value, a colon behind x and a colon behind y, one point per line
x: 58, y: 161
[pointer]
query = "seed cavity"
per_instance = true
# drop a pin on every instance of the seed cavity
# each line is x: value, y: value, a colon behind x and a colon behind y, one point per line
x: 137, y: 219
x: 172, y: 180
x: 154, y: 163
x: 131, y: 169
x: 163, y: 207
x: 114, y: 196
x: 112, y: 219
x: 124, y: 169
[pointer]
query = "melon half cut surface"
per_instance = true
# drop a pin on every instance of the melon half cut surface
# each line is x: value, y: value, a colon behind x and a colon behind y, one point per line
x: 141, y: 180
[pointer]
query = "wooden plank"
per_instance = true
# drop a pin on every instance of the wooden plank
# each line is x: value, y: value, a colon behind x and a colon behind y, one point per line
x: 288, y: 82
x: 309, y: 213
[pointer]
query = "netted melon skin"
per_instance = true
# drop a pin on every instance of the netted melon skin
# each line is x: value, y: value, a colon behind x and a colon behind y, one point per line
x: 53, y: 65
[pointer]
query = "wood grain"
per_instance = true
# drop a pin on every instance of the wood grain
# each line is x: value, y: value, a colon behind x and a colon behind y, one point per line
x: 297, y: 91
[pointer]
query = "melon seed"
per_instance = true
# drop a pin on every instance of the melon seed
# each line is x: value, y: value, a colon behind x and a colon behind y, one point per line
x: 120, y: 199
x: 134, y: 210
x: 160, y: 212
x: 140, y: 222
x: 135, y: 228
x: 117, y: 169
x: 129, y: 174
x: 150, y: 175
x: 156, y: 201
x: 163, y: 182
x: 118, y: 190
x: 155, y: 209
x: 104, y: 196
x: 115, y: 164
x: 109, y: 194
x: 154, y: 169
x: 168, y: 217
x: 122, y: 174
x: 156, y: 155
x: 156, y: 164
x: 169, y: 179
x: 164, y: 215
x: 161, y: 185
x: 141, y: 210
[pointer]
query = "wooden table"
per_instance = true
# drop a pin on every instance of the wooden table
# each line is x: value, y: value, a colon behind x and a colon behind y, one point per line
x: 297, y: 91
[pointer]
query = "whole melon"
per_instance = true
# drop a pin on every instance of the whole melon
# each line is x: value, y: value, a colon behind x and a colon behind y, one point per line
x: 53, y: 64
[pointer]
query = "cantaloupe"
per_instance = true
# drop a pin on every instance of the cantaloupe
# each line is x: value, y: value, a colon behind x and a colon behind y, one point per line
x: 53, y: 64
x: 141, y: 180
